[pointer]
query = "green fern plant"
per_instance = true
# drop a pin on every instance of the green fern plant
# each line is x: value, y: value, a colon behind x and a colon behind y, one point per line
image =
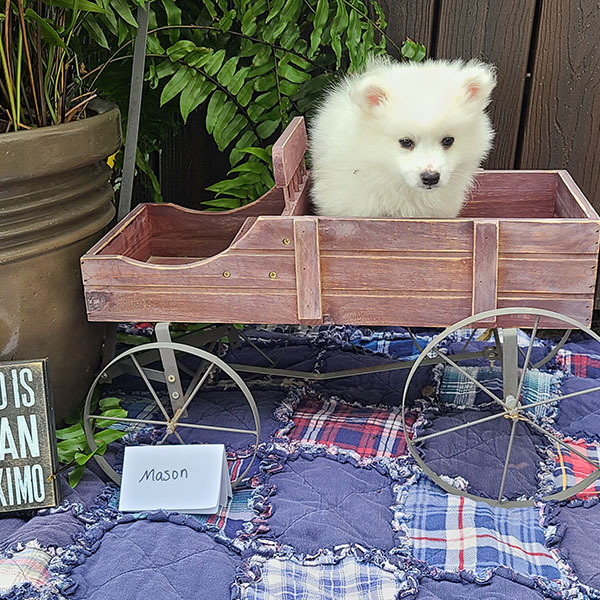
x: 254, y: 64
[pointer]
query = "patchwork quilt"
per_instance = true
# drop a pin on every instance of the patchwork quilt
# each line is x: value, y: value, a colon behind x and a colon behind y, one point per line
x: 334, y: 506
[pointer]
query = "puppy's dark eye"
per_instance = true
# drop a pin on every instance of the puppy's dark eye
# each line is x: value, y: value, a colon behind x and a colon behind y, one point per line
x: 407, y: 143
x: 447, y: 142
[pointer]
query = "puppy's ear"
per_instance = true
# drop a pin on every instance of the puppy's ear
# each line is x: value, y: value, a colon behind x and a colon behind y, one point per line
x: 480, y: 80
x: 369, y: 95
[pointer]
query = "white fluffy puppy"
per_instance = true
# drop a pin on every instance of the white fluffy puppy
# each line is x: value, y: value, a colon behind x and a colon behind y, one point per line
x: 401, y: 139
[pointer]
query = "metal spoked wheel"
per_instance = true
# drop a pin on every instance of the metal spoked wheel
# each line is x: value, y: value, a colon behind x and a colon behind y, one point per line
x: 497, y: 405
x: 159, y: 365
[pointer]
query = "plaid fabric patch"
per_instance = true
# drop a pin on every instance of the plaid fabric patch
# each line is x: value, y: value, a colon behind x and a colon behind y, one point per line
x: 369, y: 431
x: 30, y: 565
x: 455, y: 533
x: 231, y: 518
x: 457, y: 389
x: 393, y: 343
x: 571, y: 469
x: 580, y: 365
x: 349, y: 578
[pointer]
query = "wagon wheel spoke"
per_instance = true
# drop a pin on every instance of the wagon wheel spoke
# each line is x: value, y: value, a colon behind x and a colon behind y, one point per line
x: 469, y: 377
x: 458, y: 427
x: 464, y: 348
x: 190, y: 393
x: 149, y: 386
x: 507, y: 460
x: 557, y: 440
x: 559, y: 398
x: 527, y: 358
x: 129, y: 420
x: 414, y: 339
x: 217, y: 428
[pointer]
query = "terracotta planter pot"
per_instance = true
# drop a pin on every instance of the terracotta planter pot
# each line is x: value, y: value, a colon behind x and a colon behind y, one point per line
x: 55, y: 202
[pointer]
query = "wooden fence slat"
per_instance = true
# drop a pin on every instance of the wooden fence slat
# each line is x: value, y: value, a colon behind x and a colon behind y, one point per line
x: 409, y: 18
x: 499, y: 33
x: 564, y: 110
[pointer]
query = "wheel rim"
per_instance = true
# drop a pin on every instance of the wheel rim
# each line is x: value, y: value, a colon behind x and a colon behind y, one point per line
x: 213, y: 362
x: 515, y: 412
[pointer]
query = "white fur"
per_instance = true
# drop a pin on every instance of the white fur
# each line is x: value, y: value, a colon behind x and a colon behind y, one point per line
x: 358, y: 165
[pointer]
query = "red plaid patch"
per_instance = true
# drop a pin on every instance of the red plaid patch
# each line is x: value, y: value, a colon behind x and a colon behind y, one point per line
x: 571, y: 469
x: 368, y: 430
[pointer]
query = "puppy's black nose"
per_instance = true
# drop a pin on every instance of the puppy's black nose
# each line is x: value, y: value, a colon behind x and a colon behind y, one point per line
x: 430, y: 178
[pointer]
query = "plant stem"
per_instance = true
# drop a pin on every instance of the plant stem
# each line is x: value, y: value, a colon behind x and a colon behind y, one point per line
x: 11, y: 96
x: 18, y: 81
x: 28, y: 56
x: 40, y: 67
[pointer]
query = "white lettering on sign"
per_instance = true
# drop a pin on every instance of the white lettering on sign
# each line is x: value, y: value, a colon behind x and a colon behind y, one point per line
x: 22, y: 485
x: 27, y: 435
x: 18, y: 391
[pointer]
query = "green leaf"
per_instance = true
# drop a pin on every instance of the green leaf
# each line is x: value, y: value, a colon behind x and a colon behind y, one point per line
x: 413, y: 51
x: 124, y: 11
x: 95, y: 31
x: 210, y: 6
x: 215, y: 106
x: 225, y: 75
x: 110, y: 402
x: 106, y: 436
x: 288, y: 88
x: 263, y: 153
x: 249, y: 167
x: 178, y: 82
x: 173, y: 13
x: 289, y: 36
x: 268, y: 100
x: 214, y: 63
x: 319, y: 22
x: 180, y: 49
x: 223, y: 202
x: 113, y: 412
x: 245, y: 94
x: 267, y: 128
x: 76, y: 474
x: 165, y: 68
x: 248, y: 138
x: 81, y: 5
x: 225, y: 135
x: 195, y: 94
x: 237, y: 81
x: 227, y: 21
x: 70, y: 432
x: 276, y: 7
x: 49, y: 32
x: 293, y: 75
x: 265, y: 83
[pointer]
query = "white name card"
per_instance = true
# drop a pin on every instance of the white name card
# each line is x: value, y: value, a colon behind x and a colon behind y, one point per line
x: 189, y: 479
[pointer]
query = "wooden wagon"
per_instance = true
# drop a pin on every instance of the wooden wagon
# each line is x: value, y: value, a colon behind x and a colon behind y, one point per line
x: 526, y: 239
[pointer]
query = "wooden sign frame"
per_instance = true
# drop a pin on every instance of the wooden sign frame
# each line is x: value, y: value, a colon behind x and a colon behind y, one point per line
x: 28, y: 452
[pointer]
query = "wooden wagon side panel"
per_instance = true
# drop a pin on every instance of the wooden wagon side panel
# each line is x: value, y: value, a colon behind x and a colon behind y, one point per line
x: 383, y: 271
x: 548, y: 264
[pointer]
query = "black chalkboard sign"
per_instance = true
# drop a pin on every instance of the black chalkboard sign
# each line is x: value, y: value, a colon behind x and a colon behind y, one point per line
x: 28, y: 457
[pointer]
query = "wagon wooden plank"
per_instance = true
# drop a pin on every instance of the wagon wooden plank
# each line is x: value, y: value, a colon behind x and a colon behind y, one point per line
x: 115, y: 237
x: 498, y: 32
x: 368, y: 272
x: 416, y: 310
x: 267, y: 233
x: 288, y: 151
x: 485, y: 266
x: 559, y: 236
x: 546, y: 274
x: 165, y: 303
x: 308, y: 270
x: 226, y: 271
x: 572, y: 201
x: 385, y: 235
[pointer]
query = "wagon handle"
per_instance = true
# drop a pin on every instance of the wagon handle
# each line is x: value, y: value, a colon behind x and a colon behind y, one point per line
x: 289, y: 167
